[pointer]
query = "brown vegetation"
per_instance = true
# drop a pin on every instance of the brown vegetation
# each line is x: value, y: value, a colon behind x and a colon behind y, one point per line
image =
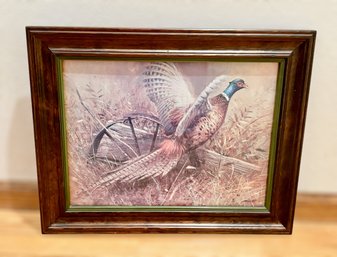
x: 244, y: 136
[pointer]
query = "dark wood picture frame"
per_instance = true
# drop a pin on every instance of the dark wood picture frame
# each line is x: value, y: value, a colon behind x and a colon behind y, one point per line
x: 47, y: 44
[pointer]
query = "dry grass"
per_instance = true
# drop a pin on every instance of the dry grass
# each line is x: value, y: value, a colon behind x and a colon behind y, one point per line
x: 245, y: 135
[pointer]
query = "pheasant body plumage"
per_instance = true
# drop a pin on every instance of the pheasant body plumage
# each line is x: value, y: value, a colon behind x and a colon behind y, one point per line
x: 206, y: 126
x: 187, y: 123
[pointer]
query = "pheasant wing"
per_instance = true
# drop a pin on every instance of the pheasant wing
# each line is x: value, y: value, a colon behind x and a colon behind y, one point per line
x: 167, y: 89
x: 200, y: 106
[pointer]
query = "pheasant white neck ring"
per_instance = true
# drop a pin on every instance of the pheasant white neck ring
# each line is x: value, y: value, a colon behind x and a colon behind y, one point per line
x: 225, y: 96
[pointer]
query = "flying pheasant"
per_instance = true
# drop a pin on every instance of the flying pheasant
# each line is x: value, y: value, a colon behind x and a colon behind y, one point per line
x: 188, y: 123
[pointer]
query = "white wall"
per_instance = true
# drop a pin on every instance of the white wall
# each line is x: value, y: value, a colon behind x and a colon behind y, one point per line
x: 319, y: 159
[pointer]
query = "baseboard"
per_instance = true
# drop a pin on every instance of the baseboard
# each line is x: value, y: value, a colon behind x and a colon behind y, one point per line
x: 24, y: 195
x: 322, y: 207
x: 19, y: 195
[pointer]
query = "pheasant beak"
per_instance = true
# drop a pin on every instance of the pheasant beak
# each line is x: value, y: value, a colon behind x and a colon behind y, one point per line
x: 242, y: 85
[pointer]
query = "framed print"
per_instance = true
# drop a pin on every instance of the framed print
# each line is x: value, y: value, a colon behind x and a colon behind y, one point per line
x: 177, y: 131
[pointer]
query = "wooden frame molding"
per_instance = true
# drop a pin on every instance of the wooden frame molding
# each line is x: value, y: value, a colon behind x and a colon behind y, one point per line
x: 47, y: 44
x: 309, y: 206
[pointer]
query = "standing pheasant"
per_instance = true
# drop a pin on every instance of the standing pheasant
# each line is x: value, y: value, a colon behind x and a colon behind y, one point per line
x: 187, y: 123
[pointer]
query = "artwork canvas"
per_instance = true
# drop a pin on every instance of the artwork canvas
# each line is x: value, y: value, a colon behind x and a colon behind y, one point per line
x: 168, y: 133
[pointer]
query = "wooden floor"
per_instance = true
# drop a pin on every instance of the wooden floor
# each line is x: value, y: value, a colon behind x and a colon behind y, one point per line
x: 315, y: 234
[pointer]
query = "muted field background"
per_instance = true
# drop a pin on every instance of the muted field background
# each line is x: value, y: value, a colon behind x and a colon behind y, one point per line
x: 110, y: 90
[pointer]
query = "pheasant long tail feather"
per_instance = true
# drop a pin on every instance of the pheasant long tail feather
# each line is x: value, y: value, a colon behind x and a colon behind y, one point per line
x: 151, y: 165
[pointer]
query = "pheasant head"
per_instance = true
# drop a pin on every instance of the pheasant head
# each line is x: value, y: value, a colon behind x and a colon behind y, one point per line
x: 233, y: 87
